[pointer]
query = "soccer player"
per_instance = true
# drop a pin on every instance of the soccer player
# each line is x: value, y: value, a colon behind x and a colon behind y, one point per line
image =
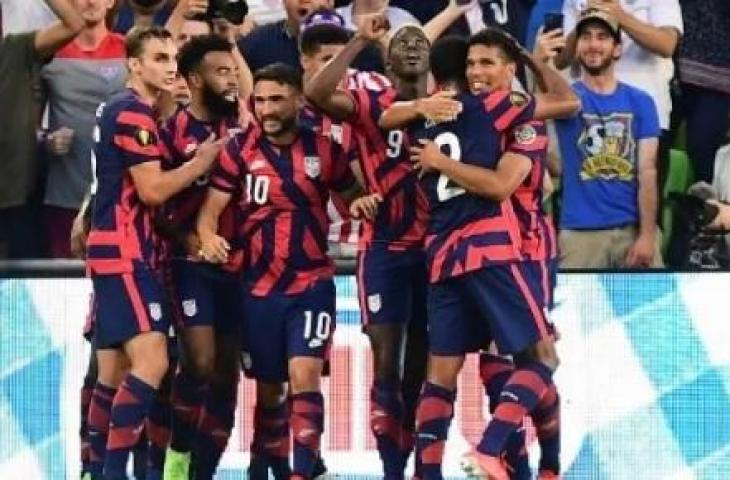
x: 322, y: 35
x: 205, y: 297
x: 480, y: 287
x: 280, y: 175
x: 131, y: 324
x: 391, y: 266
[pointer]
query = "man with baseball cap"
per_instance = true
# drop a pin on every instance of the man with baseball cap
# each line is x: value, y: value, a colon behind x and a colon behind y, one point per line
x: 609, y: 159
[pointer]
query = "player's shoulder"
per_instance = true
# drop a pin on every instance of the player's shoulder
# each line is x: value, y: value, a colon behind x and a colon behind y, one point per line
x: 128, y: 102
x: 367, y: 80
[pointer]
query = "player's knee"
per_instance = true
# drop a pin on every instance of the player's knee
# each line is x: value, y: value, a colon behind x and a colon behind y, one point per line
x: 444, y: 371
x: 543, y: 352
x: 305, y: 374
x: 202, y: 364
x: 270, y: 395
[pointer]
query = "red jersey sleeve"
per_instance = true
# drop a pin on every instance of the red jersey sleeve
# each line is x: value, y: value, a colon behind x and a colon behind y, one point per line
x: 137, y: 137
x: 509, y: 108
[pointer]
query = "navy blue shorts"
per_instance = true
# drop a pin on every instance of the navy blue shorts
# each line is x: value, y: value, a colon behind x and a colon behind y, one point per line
x: 544, y: 274
x: 279, y: 327
x: 204, y: 295
x: 501, y: 303
x: 128, y: 305
x: 392, y: 286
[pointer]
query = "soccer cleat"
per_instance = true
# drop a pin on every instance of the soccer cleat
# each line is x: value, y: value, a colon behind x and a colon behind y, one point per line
x: 547, y: 475
x: 486, y: 467
x: 177, y: 465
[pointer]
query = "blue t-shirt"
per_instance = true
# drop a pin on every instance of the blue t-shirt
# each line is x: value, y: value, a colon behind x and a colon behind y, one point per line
x: 599, y: 151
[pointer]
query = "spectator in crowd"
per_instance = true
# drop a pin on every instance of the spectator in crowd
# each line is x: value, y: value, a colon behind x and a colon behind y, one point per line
x: 537, y: 18
x: 83, y: 74
x: 608, y: 151
x: 20, y: 58
x: 704, y: 80
x: 145, y: 13
x: 20, y: 16
x: 278, y: 42
x: 651, y: 32
x: 357, y: 8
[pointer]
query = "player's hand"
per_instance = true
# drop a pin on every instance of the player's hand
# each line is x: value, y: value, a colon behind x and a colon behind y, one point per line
x: 192, y: 245
x: 373, y: 26
x: 440, y: 107
x: 548, y: 44
x: 641, y: 253
x: 208, y: 150
x: 366, y: 206
x: 427, y: 156
x: 59, y: 142
x: 78, y: 237
x: 196, y: 8
x: 214, y: 249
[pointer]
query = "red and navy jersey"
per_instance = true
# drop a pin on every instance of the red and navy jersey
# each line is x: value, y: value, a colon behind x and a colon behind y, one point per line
x: 536, y: 229
x: 181, y: 136
x: 385, y: 162
x: 467, y: 232
x: 121, y: 236
x: 282, y: 193
x: 343, y: 228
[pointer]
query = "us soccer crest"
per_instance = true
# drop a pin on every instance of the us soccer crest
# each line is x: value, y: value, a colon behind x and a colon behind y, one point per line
x: 190, y: 308
x: 155, y: 311
x: 525, y: 134
x: 374, y: 303
x: 312, y: 166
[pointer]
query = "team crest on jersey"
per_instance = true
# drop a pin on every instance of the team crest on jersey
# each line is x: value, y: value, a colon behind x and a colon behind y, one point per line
x: 525, y: 134
x: 190, y: 307
x: 144, y: 137
x: 155, y: 311
x: 312, y: 166
x: 374, y: 303
x: 518, y: 99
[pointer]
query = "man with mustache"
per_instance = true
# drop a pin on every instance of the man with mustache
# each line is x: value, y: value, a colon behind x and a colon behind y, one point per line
x: 609, y: 154
x: 280, y: 174
x: 205, y: 301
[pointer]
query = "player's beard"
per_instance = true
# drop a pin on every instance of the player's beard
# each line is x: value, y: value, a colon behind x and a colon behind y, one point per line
x: 217, y: 104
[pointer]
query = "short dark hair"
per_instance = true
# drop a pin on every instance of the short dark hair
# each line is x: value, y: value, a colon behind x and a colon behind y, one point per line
x: 448, y: 59
x: 192, y: 53
x: 494, y: 37
x: 138, y: 36
x: 314, y: 37
x: 280, y: 73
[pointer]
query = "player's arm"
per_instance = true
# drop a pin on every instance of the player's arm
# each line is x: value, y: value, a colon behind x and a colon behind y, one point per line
x: 322, y: 89
x: 440, y: 107
x: 213, y: 247
x: 155, y: 186
x: 556, y: 98
x: 445, y: 18
x: 81, y: 226
x: 658, y: 40
x: 50, y: 39
x: 498, y: 184
x: 641, y: 253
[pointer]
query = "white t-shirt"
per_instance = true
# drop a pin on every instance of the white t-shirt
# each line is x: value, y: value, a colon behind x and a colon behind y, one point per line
x: 638, y: 66
x: 266, y: 11
x: 397, y: 17
x: 25, y: 15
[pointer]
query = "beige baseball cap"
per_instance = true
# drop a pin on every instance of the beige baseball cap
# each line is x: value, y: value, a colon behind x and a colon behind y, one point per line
x: 592, y: 15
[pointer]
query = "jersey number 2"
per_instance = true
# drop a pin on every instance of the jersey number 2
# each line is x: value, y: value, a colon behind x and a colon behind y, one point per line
x: 445, y: 188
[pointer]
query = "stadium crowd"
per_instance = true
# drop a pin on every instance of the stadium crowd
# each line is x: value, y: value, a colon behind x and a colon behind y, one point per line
x: 209, y: 158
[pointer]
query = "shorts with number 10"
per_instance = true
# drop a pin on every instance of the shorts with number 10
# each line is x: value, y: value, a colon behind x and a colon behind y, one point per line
x: 279, y: 327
